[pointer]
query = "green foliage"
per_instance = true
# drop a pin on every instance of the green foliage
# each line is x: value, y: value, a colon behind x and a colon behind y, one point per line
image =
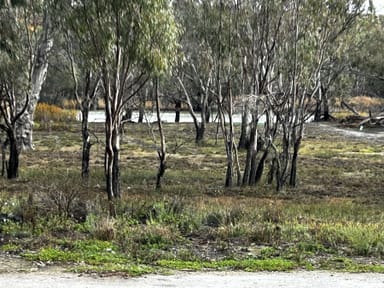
x: 16, y: 38
x: 365, y: 58
x: 143, y: 33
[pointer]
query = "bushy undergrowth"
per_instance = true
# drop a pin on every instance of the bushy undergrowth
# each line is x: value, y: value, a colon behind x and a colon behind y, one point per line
x: 50, y: 214
x: 166, y: 228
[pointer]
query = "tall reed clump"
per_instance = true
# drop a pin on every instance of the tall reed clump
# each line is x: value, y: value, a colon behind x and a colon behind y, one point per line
x: 47, y: 112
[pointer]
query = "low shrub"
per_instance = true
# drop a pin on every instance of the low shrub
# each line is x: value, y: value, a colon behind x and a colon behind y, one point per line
x: 365, y: 103
x: 47, y: 112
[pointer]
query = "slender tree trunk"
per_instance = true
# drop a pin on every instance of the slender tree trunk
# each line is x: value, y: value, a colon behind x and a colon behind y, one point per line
x: 245, y: 136
x: 251, y: 157
x: 109, y: 165
x: 4, y: 156
x: 228, y: 144
x: 128, y: 114
x: 162, y: 150
x: 142, y: 107
x: 207, y: 114
x: 116, y: 174
x: 282, y: 159
x: 199, y: 126
x: 261, y: 165
x: 297, y: 138
x: 200, y: 132
x: 272, y: 171
x: 256, y: 148
x: 177, y: 111
x: 293, y: 174
x: 13, y: 161
x: 109, y: 173
x: 86, y: 144
x: 247, y: 169
x: 276, y: 171
x: 325, y: 103
x: 116, y: 162
x: 317, y: 116
x: 230, y: 141
x: 229, y: 173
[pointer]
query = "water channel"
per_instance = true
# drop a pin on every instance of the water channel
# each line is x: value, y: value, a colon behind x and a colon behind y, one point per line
x: 98, y: 116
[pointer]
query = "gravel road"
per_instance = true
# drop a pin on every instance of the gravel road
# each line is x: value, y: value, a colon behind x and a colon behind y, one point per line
x: 299, y: 279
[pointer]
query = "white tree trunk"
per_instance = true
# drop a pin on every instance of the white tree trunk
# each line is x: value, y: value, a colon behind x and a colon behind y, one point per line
x: 37, y: 79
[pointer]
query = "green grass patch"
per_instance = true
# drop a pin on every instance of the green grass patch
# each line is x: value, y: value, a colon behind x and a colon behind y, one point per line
x: 131, y: 269
x: 249, y: 265
x: 10, y: 248
x: 91, y: 252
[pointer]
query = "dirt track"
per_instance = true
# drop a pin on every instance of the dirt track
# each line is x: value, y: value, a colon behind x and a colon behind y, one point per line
x: 194, y: 280
x: 365, y: 135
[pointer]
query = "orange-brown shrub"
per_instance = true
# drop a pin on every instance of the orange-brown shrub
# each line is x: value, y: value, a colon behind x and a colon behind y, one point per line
x: 46, y: 112
x: 366, y: 103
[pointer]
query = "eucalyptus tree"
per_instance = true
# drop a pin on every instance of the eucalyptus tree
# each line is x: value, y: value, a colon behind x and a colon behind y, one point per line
x: 302, y: 57
x: 337, y: 36
x: 225, y: 61
x: 262, y: 31
x: 195, y: 71
x: 161, y: 152
x: 33, y: 31
x: 14, y: 98
x: 365, y: 59
x: 85, y: 77
x: 85, y: 91
x: 25, y: 42
x: 127, y: 41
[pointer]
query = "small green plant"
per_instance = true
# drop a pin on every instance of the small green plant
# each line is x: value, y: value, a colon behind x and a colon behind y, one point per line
x: 11, y: 248
x: 91, y: 252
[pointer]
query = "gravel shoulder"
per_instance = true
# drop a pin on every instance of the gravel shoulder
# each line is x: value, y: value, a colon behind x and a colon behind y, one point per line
x: 298, y: 279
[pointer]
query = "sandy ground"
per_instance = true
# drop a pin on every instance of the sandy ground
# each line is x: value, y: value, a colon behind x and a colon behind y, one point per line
x: 191, y: 280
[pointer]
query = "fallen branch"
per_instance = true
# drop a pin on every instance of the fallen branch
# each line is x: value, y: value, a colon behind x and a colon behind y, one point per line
x: 349, y: 107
